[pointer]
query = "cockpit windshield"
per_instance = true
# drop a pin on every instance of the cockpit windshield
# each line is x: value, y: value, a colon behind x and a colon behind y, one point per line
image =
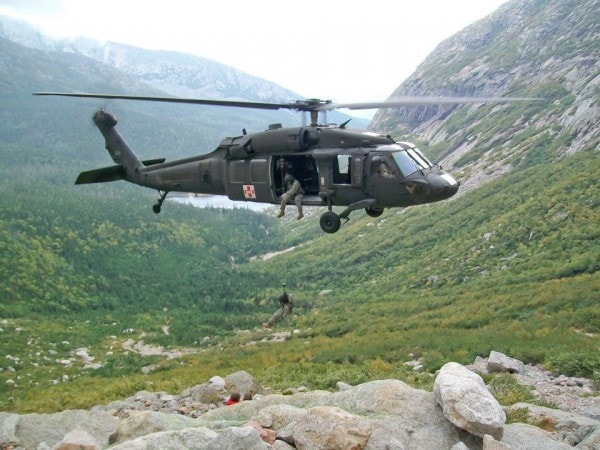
x: 406, y: 163
x: 408, y: 157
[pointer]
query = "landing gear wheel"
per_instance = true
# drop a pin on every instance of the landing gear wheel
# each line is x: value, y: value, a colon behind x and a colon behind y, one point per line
x: 156, y: 207
x: 374, y: 211
x: 330, y: 222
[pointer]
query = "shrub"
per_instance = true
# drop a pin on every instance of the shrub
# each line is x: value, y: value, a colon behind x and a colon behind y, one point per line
x: 576, y: 364
x: 508, y: 391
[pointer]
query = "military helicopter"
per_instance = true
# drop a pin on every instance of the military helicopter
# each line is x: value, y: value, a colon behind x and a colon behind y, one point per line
x: 336, y: 165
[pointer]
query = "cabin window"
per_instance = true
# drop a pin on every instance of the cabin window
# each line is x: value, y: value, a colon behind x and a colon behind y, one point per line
x: 341, y: 169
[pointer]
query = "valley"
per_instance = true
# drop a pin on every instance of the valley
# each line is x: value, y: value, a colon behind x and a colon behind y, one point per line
x: 510, y: 264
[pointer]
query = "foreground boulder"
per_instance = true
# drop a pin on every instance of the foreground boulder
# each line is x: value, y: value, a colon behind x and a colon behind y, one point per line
x: 170, y: 440
x: 141, y: 423
x: 331, y: 427
x: 467, y: 403
x: 398, y: 415
x: 32, y: 430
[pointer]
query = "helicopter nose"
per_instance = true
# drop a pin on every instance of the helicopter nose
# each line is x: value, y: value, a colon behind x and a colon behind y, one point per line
x: 443, y: 185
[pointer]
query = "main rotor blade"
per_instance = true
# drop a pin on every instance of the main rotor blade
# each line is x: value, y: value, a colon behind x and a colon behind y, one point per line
x: 397, y: 102
x: 305, y: 105
x: 194, y: 101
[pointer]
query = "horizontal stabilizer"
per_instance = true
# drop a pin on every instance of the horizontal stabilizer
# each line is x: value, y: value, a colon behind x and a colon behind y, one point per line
x: 151, y: 162
x: 103, y: 175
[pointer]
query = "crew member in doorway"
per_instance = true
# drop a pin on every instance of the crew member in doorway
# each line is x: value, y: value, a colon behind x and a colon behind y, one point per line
x: 286, y: 302
x: 293, y: 190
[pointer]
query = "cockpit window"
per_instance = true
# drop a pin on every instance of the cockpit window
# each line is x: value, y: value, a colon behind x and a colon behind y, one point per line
x: 408, y: 157
x: 419, y: 158
x: 406, y: 163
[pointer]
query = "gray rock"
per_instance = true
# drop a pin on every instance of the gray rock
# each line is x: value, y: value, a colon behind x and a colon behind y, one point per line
x: 141, y: 423
x: 286, y: 434
x: 341, y: 386
x: 377, y: 415
x: 499, y: 362
x: 331, y: 427
x: 591, y: 441
x: 460, y: 446
x: 521, y: 436
x: 242, y: 438
x: 593, y: 413
x: 266, y: 434
x: 466, y: 402
x: 489, y: 443
x: 8, y: 429
x: 242, y: 382
x: 205, y: 393
x: 34, y: 429
x: 77, y: 439
x: 114, y: 406
x: 217, y: 382
x: 409, y: 415
x: 188, y: 438
x: 279, y: 416
x: 381, y: 440
x: 281, y: 445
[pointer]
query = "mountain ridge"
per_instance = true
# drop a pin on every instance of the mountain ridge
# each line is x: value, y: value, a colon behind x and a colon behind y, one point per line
x: 525, y: 49
x: 170, y: 71
x: 176, y: 73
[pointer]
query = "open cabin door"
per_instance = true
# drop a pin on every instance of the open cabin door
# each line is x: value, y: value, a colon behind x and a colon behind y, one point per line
x: 302, y: 167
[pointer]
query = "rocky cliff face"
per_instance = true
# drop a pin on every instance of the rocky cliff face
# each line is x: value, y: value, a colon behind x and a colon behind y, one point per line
x: 528, y: 48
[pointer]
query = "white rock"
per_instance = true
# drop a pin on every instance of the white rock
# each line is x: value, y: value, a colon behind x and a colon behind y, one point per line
x: 467, y: 403
x: 217, y: 382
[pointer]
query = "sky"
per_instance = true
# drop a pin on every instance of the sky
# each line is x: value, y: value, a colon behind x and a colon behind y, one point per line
x: 344, y: 51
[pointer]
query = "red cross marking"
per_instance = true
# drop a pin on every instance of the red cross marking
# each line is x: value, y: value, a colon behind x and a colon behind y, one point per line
x: 249, y: 191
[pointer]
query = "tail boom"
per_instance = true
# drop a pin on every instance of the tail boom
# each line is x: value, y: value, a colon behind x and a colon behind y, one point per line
x: 120, y: 152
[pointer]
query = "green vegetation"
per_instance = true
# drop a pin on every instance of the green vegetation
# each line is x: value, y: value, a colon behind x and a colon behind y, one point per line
x: 508, y: 391
x: 512, y: 266
x: 449, y: 281
x: 578, y: 364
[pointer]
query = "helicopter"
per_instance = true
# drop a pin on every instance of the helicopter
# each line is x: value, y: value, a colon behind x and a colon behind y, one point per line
x: 336, y: 165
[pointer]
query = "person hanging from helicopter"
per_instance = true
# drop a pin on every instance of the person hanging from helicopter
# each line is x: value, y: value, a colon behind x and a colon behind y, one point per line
x: 286, y: 302
x: 293, y: 190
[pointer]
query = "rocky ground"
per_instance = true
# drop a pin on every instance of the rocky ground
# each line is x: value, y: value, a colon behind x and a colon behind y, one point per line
x: 384, y: 414
x: 573, y: 394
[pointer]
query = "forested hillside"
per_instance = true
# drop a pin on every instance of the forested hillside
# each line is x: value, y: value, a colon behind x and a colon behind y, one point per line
x: 511, y: 264
x: 69, y: 249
